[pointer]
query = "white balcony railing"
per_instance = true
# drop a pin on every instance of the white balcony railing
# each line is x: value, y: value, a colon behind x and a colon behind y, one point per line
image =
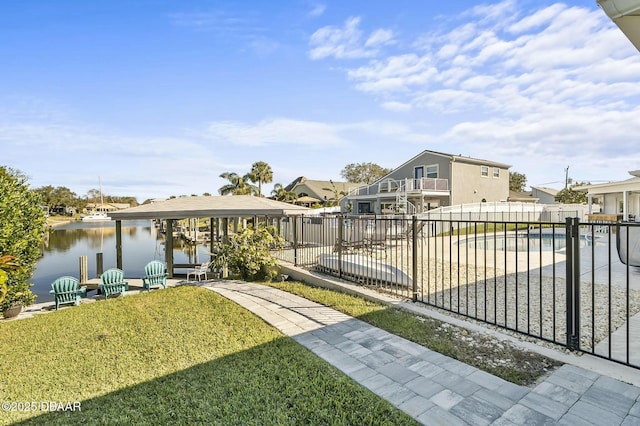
x: 423, y: 184
x: 396, y: 185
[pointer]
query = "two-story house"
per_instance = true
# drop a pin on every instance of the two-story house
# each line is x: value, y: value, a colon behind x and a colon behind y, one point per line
x: 430, y: 180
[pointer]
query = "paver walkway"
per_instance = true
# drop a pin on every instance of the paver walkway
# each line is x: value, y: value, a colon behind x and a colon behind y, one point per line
x: 433, y: 388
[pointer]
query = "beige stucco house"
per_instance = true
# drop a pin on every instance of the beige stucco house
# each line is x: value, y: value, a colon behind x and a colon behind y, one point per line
x: 312, y: 192
x: 615, y: 198
x: 429, y: 180
x: 105, y: 208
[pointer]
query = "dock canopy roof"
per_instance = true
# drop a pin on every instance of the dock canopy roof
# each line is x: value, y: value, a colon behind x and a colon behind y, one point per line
x: 210, y: 206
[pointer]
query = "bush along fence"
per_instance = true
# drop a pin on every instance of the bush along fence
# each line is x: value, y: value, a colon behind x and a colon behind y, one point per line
x: 570, y: 283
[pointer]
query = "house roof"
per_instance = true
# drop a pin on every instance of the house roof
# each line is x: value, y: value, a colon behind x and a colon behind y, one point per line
x: 522, y: 196
x: 631, y: 184
x: 626, y: 15
x: 322, y: 189
x: 452, y: 157
x: 209, y: 206
x: 550, y: 191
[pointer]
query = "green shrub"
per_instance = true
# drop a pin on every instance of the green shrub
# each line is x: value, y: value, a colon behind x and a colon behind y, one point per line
x: 22, y: 224
x: 248, y: 253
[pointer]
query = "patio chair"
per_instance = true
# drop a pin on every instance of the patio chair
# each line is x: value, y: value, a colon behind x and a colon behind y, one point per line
x: 378, y: 238
x: 199, y: 272
x: 113, y: 283
x: 354, y: 237
x: 155, y: 275
x: 66, y: 290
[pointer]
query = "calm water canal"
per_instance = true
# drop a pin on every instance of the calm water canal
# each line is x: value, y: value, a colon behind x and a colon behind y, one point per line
x: 141, y: 243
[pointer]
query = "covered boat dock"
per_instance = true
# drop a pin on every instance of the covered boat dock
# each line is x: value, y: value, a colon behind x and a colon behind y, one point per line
x: 212, y: 207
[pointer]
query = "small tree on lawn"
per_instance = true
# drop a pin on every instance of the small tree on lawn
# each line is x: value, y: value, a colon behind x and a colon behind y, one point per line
x: 22, y: 224
x: 248, y: 253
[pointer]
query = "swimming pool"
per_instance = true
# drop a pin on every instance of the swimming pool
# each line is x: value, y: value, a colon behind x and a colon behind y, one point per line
x: 534, y: 242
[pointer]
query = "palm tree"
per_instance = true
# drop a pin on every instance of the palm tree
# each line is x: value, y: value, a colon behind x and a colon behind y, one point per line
x: 336, y: 194
x: 281, y: 194
x: 261, y: 173
x: 238, y: 185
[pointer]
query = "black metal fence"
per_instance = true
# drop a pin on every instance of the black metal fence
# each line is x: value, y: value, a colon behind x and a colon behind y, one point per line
x: 569, y: 283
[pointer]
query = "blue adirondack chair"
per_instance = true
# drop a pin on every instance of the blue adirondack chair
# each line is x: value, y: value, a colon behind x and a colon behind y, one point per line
x: 155, y: 275
x: 113, y: 282
x: 66, y: 290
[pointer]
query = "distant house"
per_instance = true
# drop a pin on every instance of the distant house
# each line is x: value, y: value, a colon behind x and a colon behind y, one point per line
x: 544, y: 195
x: 106, y: 207
x: 522, y: 197
x: 321, y: 192
x: 615, y: 198
x: 429, y: 180
x: 63, y: 210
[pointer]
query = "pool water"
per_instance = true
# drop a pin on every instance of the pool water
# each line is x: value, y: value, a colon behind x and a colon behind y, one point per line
x: 534, y: 242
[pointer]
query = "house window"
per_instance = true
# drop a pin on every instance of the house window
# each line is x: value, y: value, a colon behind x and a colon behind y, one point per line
x: 496, y: 172
x: 432, y: 172
x: 484, y: 171
x: 364, y: 208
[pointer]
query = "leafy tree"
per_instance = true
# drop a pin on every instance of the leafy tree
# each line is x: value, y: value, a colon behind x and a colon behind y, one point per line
x: 238, y: 185
x: 22, y: 224
x: 517, y: 181
x: 94, y: 195
x: 280, y: 193
x: 248, y: 252
x: 569, y: 196
x: 261, y: 173
x: 132, y: 201
x: 363, y: 172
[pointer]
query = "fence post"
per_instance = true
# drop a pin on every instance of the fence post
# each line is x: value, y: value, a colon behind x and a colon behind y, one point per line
x: 339, y: 244
x: 573, y: 282
x: 414, y: 256
x: 295, y: 240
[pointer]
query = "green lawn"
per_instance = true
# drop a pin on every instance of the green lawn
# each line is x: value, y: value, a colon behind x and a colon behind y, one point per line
x: 183, y: 355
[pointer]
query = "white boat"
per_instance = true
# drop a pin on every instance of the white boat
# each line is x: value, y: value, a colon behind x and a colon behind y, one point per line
x: 363, y: 269
x: 96, y: 217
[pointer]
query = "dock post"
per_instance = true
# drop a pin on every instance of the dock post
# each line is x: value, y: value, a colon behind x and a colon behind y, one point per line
x: 99, y: 264
x: 84, y: 272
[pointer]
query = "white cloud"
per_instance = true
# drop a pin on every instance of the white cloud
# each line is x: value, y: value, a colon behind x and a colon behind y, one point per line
x: 556, y: 85
x: 560, y: 55
x: 379, y: 38
x: 274, y: 132
x: 538, y: 19
x: 396, y: 106
x: 347, y: 42
x: 397, y: 73
x: 317, y: 10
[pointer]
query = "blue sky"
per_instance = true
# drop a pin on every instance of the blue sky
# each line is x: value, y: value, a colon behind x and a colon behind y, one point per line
x: 159, y: 97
